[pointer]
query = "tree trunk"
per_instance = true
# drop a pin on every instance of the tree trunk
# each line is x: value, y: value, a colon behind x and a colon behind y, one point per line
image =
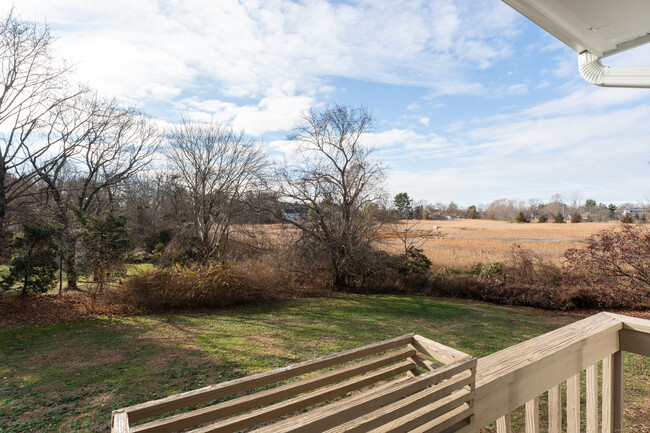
x: 339, y: 281
x: 71, y: 263
x: 3, y: 204
x: 27, y: 271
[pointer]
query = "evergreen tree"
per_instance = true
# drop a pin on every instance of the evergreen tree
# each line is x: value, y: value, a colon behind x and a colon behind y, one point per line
x: 32, y: 269
x: 612, y: 210
x: 521, y: 218
x: 106, y: 241
x: 590, y: 205
x: 403, y: 203
x: 559, y: 218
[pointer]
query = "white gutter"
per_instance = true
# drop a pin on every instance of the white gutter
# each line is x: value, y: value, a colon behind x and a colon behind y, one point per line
x: 595, y: 73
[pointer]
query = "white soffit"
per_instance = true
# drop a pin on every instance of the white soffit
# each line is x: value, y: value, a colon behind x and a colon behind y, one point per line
x: 602, y: 27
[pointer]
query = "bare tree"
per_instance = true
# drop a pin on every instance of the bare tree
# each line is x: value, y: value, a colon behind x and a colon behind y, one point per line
x: 156, y: 206
x: 334, y: 175
x: 534, y: 205
x: 217, y: 166
x: 32, y: 86
x: 90, y: 147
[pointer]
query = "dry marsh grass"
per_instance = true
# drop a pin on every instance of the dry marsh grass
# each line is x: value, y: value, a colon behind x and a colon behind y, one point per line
x: 463, y: 243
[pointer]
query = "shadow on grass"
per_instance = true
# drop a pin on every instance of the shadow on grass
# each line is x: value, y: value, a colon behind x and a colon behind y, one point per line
x: 70, y: 376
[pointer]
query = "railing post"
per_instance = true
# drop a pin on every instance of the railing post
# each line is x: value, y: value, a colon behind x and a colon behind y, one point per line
x: 613, y: 393
x: 119, y: 421
x: 555, y: 410
x: 573, y: 404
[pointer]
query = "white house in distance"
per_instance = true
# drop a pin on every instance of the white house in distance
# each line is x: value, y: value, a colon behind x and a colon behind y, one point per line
x: 634, y: 211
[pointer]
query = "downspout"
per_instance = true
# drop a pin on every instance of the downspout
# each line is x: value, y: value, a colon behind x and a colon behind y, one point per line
x: 595, y: 73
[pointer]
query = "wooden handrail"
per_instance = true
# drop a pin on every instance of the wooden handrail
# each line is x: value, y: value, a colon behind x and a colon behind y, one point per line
x: 510, y: 378
x: 197, y: 396
x: 489, y: 388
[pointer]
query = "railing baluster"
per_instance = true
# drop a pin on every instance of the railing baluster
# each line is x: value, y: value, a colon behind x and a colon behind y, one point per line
x: 613, y: 393
x: 504, y: 424
x: 555, y: 410
x: 573, y: 404
x: 532, y: 416
x: 617, y: 391
x: 592, y: 399
x: 608, y: 425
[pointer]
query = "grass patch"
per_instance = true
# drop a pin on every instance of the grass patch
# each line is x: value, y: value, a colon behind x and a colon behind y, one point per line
x: 135, y: 268
x: 69, y: 376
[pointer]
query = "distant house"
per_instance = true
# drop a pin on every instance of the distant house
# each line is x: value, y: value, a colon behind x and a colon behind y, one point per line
x: 634, y: 211
x: 294, y: 215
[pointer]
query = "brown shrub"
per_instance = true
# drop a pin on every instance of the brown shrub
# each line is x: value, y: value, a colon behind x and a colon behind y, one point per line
x: 618, y: 259
x: 275, y: 275
x: 191, y: 286
x: 527, y: 279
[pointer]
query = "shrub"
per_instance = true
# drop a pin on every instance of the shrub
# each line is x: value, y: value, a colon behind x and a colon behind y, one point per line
x: 492, y: 268
x: 191, y: 286
x: 416, y: 262
x: 136, y: 257
x: 627, y: 219
x: 521, y: 218
x: 576, y: 218
x: 542, y: 219
x: 559, y: 219
x: 616, y: 258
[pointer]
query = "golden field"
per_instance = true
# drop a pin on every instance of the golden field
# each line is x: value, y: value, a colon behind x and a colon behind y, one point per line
x: 463, y: 243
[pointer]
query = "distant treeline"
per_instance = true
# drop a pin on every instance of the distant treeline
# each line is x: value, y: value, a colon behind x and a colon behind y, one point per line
x: 518, y: 210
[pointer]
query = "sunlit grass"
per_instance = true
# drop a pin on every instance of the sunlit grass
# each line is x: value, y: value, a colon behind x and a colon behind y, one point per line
x: 69, y: 376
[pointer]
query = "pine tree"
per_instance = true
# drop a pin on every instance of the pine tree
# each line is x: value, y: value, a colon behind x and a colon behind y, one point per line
x: 521, y: 218
x: 106, y: 241
x: 32, y: 270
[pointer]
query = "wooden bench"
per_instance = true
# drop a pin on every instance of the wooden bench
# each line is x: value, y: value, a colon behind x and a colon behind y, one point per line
x: 406, y: 384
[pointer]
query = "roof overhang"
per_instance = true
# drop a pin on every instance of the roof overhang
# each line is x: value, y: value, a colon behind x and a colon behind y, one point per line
x: 602, y: 27
x: 595, y: 29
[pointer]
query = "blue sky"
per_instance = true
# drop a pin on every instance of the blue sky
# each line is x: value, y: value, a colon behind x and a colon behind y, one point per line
x: 472, y: 102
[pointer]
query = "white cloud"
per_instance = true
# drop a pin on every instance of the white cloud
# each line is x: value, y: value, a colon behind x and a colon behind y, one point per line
x: 517, y: 89
x: 594, y: 141
x: 587, y: 98
x: 155, y: 49
x: 279, y: 111
x: 258, y: 65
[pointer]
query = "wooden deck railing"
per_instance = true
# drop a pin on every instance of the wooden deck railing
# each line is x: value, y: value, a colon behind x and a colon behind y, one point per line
x: 520, y: 374
x: 406, y: 381
x: 412, y: 384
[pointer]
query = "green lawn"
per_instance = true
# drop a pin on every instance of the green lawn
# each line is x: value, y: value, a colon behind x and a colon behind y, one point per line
x: 68, y: 377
